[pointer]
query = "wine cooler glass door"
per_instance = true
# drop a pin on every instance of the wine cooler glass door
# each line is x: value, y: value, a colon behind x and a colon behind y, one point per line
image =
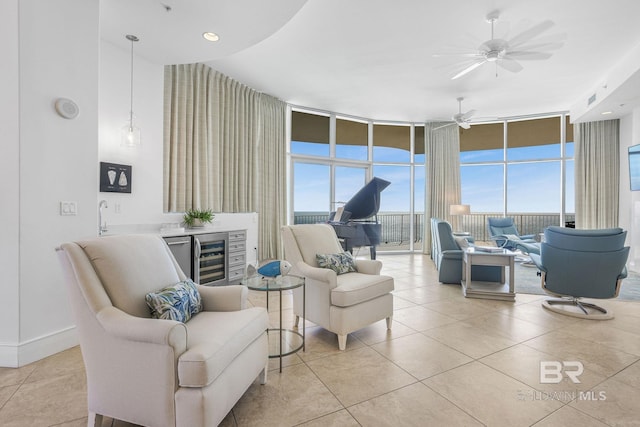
x: 210, y: 260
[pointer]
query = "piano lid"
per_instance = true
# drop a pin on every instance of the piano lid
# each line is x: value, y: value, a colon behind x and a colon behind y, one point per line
x: 366, y: 202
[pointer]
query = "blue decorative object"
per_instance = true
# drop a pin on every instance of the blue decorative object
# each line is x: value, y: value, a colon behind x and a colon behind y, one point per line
x: 274, y: 268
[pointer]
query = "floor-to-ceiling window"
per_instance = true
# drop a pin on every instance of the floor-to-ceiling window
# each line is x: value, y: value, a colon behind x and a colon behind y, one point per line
x: 391, y: 162
x: 521, y: 168
x: 482, y: 167
x: 352, y: 139
x: 337, y: 155
x: 517, y: 167
x: 348, y: 180
x: 310, y: 184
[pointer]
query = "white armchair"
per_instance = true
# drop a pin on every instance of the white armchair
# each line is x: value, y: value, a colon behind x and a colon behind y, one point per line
x: 157, y: 372
x: 340, y: 303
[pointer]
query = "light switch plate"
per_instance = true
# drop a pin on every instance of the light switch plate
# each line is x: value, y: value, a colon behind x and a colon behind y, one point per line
x: 68, y: 208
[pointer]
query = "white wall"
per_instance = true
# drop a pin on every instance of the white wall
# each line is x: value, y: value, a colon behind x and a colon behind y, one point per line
x: 144, y: 204
x: 9, y: 170
x: 630, y: 200
x: 49, y: 159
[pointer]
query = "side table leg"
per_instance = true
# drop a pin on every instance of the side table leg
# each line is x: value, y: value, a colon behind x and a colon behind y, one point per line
x: 280, y: 334
x: 512, y: 279
x: 467, y: 262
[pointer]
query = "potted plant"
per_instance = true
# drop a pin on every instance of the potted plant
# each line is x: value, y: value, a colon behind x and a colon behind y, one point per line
x: 198, y: 217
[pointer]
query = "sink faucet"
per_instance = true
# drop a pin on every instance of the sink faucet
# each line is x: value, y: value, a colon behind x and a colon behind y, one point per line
x: 101, y: 228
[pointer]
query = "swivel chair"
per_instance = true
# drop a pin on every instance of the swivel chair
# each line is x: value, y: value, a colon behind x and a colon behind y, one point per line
x: 504, y: 232
x: 577, y: 264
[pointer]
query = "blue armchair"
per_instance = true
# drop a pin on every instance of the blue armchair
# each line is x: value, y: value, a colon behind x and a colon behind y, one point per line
x: 578, y: 264
x: 447, y: 255
x: 504, y: 232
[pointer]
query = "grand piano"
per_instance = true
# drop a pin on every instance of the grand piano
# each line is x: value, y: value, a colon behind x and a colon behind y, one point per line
x: 358, y: 223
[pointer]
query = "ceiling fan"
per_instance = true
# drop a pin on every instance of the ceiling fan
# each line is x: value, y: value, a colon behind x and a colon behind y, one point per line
x: 507, y: 53
x: 461, y: 119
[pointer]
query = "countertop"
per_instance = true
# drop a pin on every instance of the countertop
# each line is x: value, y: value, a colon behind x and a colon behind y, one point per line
x: 167, y: 232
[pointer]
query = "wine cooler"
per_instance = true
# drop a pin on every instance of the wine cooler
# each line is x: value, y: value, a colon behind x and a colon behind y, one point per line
x: 211, y: 258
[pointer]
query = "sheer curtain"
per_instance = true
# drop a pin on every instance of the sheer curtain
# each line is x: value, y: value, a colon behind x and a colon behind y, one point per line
x: 597, y: 174
x: 443, y: 174
x: 224, y: 149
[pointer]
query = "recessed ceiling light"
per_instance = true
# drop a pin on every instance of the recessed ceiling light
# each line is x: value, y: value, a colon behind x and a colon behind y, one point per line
x: 604, y: 113
x: 212, y: 37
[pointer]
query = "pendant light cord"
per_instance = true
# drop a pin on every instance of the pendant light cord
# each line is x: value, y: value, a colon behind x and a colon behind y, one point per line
x: 132, y: 38
x: 131, y: 90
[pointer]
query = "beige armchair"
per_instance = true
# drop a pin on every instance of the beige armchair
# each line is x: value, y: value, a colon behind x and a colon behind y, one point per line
x: 340, y: 303
x: 157, y: 372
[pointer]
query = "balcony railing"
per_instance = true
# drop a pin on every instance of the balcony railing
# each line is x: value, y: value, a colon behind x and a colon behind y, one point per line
x: 396, y: 226
x: 526, y: 223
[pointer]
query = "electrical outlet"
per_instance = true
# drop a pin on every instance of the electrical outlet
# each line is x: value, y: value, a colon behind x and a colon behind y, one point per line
x: 117, y: 208
x: 68, y: 208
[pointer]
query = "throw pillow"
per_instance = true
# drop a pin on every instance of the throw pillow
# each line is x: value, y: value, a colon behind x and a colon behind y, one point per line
x: 462, y: 242
x: 340, y: 263
x: 178, y: 302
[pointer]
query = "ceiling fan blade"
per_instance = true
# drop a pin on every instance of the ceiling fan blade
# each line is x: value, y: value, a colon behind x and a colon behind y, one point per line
x: 529, y: 34
x: 463, y: 55
x: 552, y: 42
x: 467, y: 115
x: 509, y: 65
x: 469, y: 69
x: 444, y: 126
x: 524, y: 55
x: 465, y: 125
x: 540, y: 46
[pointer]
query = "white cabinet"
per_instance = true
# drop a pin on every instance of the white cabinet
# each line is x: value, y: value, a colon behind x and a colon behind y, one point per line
x: 237, y: 255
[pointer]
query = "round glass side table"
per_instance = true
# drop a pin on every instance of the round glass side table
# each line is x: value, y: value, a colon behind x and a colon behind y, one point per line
x: 282, y: 342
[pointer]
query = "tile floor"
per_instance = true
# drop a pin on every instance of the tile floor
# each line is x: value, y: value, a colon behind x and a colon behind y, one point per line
x: 448, y: 361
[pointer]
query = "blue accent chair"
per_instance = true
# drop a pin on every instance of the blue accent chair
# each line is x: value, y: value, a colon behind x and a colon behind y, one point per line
x: 447, y: 255
x: 504, y: 232
x: 578, y: 264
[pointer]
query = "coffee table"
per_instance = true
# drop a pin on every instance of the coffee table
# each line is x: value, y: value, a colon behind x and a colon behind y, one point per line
x: 282, y: 342
x: 503, y: 290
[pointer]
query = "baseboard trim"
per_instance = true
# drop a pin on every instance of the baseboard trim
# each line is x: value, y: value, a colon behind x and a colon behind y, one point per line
x: 21, y: 354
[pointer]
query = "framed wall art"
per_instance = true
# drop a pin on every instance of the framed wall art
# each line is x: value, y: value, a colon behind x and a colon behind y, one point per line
x: 115, y: 178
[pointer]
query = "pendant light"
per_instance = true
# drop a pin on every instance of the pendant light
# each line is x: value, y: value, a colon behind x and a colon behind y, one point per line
x: 131, y: 133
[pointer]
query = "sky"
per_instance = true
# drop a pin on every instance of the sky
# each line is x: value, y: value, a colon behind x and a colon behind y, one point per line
x: 532, y: 186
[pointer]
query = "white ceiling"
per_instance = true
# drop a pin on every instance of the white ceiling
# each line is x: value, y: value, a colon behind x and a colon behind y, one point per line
x: 375, y: 59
